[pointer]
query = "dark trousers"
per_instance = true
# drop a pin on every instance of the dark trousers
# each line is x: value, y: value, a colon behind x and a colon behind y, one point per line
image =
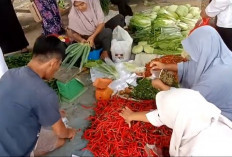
x: 103, y: 39
x: 226, y: 34
x: 123, y: 7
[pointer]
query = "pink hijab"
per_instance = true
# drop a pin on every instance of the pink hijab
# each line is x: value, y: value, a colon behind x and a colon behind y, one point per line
x: 85, y: 23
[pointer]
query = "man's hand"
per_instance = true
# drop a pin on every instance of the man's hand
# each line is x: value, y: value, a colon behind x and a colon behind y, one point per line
x: 126, y: 114
x: 71, y: 133
x: 90, y: 40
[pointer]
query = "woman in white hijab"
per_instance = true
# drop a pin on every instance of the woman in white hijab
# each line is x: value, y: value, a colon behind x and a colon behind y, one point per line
x: 199, y: 129
x: 3, y: 66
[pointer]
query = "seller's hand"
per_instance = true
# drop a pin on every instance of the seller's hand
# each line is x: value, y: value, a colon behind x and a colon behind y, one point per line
x: 83, y: 41
x: 126, y: 114
x: 72, y: 133
x: 158, y: 84
x: 155, y: 65
x: 90, y: 40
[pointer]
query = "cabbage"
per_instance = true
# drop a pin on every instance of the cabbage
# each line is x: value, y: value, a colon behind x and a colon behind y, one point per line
x: 148, y: 49
x: 188, y: 5
x: 140, y: 21
x: 156, y: 8
x: 195, y: 11
x: 137, y: 49
x: 143, y: 43
x: 183, y: 26
x: 160, y: 22
x: 167, y: 15
x: 190, y: 16
x: 182, y: 10
x: 185, y: 33
x: 172, y: 8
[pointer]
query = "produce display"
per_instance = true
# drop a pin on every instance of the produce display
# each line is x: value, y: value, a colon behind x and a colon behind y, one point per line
x: 74, y: 52
x: 163, y: 28
x: 101, y: 66
x: 109, y: 135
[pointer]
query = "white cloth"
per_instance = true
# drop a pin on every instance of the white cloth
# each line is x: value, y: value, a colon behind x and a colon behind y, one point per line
x: 198, y: 126
x: 223, y: 10
x: 3, y: 66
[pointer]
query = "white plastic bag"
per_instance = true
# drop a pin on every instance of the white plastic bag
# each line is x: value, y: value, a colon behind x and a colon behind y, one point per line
x: 3, y: 66
x: 121, y: 45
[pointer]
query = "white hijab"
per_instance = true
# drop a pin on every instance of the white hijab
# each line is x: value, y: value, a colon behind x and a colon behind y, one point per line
x: 188, y: 113
x: 3, y: 66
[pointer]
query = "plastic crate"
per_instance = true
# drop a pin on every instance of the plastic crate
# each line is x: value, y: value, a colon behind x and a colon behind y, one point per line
x: 95, y: 54
x: 71, y: 89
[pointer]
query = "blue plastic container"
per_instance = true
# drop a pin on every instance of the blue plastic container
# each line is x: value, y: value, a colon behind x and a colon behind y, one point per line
x: 95, y: 54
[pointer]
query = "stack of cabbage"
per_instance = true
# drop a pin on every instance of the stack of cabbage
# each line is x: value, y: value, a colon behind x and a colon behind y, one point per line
x: 163, y: 28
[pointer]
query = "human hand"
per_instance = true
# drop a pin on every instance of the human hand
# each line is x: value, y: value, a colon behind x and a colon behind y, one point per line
x: 155, y: 65
x: 157, y: 83
x: 83, y: 41
x: 71, y: 133
x: 126, y: 114
x: 90, y: 40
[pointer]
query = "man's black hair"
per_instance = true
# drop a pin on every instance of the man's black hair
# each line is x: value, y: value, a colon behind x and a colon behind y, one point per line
x: 48, y: 47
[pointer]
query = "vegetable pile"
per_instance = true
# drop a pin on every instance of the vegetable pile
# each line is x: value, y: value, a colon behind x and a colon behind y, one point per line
x: 109, y: 135
x: 144, y: 90
x: 74, y: 52
x: 163, y: 28
x: 101, y: 66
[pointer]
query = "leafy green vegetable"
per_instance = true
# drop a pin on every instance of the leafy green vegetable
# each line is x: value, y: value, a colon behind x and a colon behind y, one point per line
x: 160, y: 22
x: 172, y: 8
x: 164, y: 14
x: 143, y: 43
x: 182, y: 10
x: 156, y: 8
x: 189, y: 16
x: 144, y: 90
x: 148, y: 49
x: 137, y: 49
x: 140, y: 21
x: 104, y: 68
x: 194, y: 11
x: 18, y: 60
x: 183, y: 26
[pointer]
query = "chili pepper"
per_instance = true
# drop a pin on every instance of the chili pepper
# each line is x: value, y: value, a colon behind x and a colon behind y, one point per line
x: 109, y: 135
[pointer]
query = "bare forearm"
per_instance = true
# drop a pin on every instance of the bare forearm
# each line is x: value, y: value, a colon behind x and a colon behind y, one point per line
x: 203, y: 14
x: 77, y: 37
x: 139, y: 116
x: 171, y: 67
x: 98, y: 29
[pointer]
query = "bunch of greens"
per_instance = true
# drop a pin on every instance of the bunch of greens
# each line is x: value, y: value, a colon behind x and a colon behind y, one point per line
x: 18, y: 60
x: 165, y: 29
x: 144, y: 90
x: 101, y: 66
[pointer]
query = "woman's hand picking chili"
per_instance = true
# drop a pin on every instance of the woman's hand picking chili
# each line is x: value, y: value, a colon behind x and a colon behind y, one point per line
x: 126, y: 114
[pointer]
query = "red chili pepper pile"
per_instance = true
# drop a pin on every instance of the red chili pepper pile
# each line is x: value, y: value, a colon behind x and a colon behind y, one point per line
x: 109, y: 135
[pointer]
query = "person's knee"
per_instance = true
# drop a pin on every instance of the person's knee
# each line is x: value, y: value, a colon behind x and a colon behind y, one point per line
x: 107, y: 33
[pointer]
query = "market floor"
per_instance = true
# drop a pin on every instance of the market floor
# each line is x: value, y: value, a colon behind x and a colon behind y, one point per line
x: 76, y: 114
